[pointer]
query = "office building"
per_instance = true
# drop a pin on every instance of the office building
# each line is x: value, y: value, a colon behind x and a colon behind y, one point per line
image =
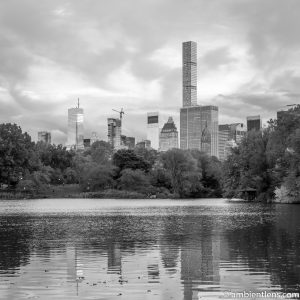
x: 86, y: 143
x: 189, y: 73
x: 94, y: 137
x: 44, y: 136
x: 168, y: 138
x: 198, y: 124
x: 224, y: 136
x: 199, y: 129
x: 128, y: 141
x: 114, y: 133
x: 75, y: 128
x: 253, y: 123
x: 145, y: 144
x: 153, y: 129
x: 230, y: 134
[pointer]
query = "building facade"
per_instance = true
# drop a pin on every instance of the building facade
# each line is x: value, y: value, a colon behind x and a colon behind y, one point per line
x: 199, y: 129
x: 75, y: 128
x: 153, y: 129
x: 189, y: 73
x: 44, y: 136
x: 128, y: 141
x: 230, y: 134
x: 168, y: 138
x: 114, y: 127
x: 94, y: 137
x: 145, y: 144
x: 253, y: 123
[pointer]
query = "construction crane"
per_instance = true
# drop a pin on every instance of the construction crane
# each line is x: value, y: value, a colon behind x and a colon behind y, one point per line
x: 121, y: 112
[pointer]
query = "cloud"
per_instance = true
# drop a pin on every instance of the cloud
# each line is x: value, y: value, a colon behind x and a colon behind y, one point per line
x: 127, y: 54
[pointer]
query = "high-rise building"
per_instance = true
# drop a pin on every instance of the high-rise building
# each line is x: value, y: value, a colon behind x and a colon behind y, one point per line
x: 128, y: 141
x: 168, y: 138
x: 94, y: 137
x: 87, y: 143
x: 114, y: 132
x: 44, y: 136
x: 253, y: 123
x: 198, y: 124
x: 199, y: 128
x: 145, y: 144
x: 224, y: 136
x: 75, y: 128
x: 189, y: 73
x: 153, y: 129
x: 230, y: 134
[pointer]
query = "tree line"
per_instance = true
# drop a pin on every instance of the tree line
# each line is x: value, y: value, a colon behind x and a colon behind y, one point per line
x: 35, y: 167
x: 267, y: 161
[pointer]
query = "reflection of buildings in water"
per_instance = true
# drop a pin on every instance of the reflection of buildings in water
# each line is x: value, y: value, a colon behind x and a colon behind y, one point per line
x: 153, y: 272
x: 200, y: 260
x: 169, y: 255
x: 114, y: 258
x: 74, y: 266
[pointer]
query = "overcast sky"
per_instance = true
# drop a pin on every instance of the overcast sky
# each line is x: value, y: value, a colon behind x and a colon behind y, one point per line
x: 127, y: 53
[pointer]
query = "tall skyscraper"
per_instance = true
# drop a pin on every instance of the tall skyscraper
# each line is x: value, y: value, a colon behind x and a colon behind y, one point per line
x: 75, y: 128
x: 253, y: 123
x: 198, y: 124
x: 44, y: 136
x: 153, y: 129
x: 189, y: 73
x: 114, y: 132
x: 168, y: 138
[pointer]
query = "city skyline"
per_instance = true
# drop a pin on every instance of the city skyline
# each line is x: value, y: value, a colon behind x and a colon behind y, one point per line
x: 247, y: 61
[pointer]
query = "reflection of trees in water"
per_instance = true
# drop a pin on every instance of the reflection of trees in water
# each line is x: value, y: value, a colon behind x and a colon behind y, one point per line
x: 269, y: 246
x: 15, y: 245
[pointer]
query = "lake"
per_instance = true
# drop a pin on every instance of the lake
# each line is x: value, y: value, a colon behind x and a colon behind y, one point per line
x: 146, y: 249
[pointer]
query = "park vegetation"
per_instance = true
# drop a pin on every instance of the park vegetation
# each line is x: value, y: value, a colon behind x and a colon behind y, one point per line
x: 267, y: 161
x: 43, y: 170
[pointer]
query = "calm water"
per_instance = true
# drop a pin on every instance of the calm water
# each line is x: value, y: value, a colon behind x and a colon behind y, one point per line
x: 156, y: 249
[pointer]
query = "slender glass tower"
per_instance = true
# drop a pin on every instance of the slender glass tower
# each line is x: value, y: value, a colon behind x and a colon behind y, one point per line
x: 189, y: 73
x: 75, y: 128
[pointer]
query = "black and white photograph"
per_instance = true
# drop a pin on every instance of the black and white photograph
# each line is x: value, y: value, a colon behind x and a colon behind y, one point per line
x: 149, y: 149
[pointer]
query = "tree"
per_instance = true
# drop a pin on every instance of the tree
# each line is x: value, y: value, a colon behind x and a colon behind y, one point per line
x: 17, y: 154
x: 134, y: 180
x: 128, y: 159
x: 98, y: 178
x: 248, y: 167
x: 101, y: 152
x: 178, y: 163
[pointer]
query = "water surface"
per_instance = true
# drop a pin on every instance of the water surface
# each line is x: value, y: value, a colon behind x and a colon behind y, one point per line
x: 146, y: 249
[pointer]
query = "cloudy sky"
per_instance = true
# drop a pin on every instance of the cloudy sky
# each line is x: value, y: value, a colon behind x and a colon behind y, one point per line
x: 127, y: 53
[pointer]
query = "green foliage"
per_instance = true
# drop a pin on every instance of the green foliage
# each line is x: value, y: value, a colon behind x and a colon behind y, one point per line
x: 98, y: 178
x: 101, y: 152
x: 178, y: 164
x: 268, y: 161
x: 134, y: 180
x: 49, y: 170
x: 16, y: 154
x: 128, y: 159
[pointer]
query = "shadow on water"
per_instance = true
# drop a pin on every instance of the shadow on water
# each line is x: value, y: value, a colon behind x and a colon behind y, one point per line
x: 177, y: 252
